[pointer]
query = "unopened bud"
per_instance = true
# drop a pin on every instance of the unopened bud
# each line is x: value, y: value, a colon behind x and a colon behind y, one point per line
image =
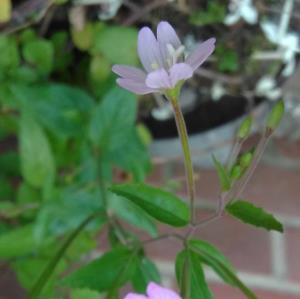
x: 236, y: 172
x: 275, y: 116
x: 245, y: 160
x: 245, y: 128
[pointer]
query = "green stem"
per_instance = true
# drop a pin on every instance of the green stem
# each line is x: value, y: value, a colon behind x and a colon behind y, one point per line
x: 183, y: 135
x: 44, y: 277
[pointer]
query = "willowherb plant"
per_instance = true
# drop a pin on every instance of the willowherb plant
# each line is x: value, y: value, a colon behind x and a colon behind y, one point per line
x: 163, y: 58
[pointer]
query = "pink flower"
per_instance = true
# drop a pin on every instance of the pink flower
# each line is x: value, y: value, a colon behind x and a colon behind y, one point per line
x: 155, y: 291
x: 163, y: 60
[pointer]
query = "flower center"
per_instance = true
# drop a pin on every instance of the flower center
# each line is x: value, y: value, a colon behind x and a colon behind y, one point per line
x: 174, y: 54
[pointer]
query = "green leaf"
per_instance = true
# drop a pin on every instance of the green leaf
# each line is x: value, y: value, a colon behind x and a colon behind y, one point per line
x: 39, y: 53
x: 223, y: 176
x: 105, y: 42
x: 65, y: 211
x: 110, y: 271
x: 62, y: 109
x: 113, y: 120
x: 145, y: 273
x: 249, y: 213
x: 28, y: 271
x: 215, y: 13
x: 132, y: 156
x: 9, y: 58
x: 190, y: 276
x: 84, y: 294
x: 83, y: 39
x: 132, y: 213
x: 214, y: 259
x: 37, y: 162
x: 162, y: 205
x: 19, y: 242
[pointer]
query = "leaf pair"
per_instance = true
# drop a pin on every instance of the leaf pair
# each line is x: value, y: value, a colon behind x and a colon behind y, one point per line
x: 190, y: 275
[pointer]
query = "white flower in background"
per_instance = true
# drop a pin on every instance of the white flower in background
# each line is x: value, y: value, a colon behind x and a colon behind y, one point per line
x: 241, y: 9
x: 288, y: 45
x: 267, y: 87
x: 109, y: 8
x: 217, y: 91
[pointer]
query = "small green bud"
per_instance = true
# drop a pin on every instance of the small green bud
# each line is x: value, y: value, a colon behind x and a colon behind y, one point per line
x: 236, y: 172
x: 275, y: 116
x: 246, y: 159
x: 245, y: 128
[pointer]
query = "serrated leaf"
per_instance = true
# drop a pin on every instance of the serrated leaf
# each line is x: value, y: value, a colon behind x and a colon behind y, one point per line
x: 222, y: 174
x: 146, y: 272
x: 162, y: 205
x: 108, y: 272
x: 216, y: 261
x: 132, y: 213
x: 251, y: 214
x: 190, y: 276
x: 37, y: 162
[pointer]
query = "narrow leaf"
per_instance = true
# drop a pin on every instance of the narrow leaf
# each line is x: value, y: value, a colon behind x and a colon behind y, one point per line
x: 220, y: 266
x: 249, y: 213
x: 162, y: 205
x: 190, y: 276
x: 145, y: 273
x: 222, y: 173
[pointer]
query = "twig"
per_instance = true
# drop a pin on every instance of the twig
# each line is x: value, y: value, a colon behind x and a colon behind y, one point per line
x: 145, y: 10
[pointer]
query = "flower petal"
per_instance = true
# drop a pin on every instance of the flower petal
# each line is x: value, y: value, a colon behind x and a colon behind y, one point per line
x: 148, y: 50
x: 200, y: 54
x: 155, y: 291
x: 166, y: 35
x: 129, y: 72
x: 158, y: 79
x: 180, y: 71
x: 135, y: 296
x: 134, y: 86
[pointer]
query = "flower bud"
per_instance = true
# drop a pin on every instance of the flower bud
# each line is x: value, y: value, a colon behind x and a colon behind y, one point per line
x: 275, y: 116
x: 245, y: 128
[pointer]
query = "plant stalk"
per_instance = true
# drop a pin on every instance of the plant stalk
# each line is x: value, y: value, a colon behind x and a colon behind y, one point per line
x: 183, y: 135
x: 44, y: 277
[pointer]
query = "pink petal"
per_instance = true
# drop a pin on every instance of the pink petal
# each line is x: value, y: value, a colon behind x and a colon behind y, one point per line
x: 155, y: 291
x: 200, y: 54
x: 129, y: 72
x: 180, y: 71
x: 135, y: 296
x: 148, y: 50
x: 134, y: 86
x: 158, y: 79
x: 166, y: 35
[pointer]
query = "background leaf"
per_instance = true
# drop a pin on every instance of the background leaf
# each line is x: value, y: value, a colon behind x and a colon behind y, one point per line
x: 249, y: 213
x: 132, y: 213
x: 108, y: 272
x: 37, y: 162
